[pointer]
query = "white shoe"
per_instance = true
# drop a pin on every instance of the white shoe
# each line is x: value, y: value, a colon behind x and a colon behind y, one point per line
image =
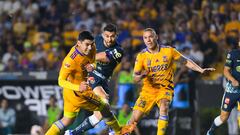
x: 68, y: 132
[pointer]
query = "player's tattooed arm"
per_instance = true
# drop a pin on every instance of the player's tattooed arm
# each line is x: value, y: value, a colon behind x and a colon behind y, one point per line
x: 192, y: 65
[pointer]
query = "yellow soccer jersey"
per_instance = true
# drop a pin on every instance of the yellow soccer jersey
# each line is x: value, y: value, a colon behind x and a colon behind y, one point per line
x: 73, y: 72
x: 159, y: 67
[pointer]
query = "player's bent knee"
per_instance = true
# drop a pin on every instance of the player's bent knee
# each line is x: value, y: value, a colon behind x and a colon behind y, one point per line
x: 164, y: 110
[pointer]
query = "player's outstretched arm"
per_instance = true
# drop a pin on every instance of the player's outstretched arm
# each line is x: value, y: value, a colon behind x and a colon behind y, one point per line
x: 192, y: 65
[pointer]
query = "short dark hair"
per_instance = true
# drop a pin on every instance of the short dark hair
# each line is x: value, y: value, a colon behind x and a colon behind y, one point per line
x: 110, y: 27
x: 85, y: 35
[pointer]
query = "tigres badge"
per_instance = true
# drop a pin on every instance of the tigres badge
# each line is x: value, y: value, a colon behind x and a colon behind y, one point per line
x: 165, y: 59
x: 91, y: 80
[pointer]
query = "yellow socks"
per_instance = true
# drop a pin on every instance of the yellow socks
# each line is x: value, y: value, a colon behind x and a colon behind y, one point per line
x: 113, y: 123
x: 162, y: 125
x: 55, y: 129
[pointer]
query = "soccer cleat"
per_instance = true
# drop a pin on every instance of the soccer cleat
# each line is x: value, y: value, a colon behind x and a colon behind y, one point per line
x: 209, y: 132
x: 127, y: 130
x: 68, y: 132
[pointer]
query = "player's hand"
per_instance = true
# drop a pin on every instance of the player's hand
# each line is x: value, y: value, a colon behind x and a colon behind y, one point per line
x: 235, y: 83
x: 139, y: 77
x: 208, y: 70
x: 83, y: 86
x: 89, y: 67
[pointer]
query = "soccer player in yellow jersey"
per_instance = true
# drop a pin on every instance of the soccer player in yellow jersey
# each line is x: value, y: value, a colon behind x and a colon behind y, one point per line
x: 76, y: 92
x: 154, y: 65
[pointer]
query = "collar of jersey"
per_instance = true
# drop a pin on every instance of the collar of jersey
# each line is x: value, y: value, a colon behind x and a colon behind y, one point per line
x: 159, y: 48
x: 79, y: 52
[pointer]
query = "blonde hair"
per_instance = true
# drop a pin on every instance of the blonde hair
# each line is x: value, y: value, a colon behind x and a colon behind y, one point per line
x: 151, y: 30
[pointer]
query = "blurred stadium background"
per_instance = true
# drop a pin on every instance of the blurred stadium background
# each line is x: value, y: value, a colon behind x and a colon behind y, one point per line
x: 35, y: 36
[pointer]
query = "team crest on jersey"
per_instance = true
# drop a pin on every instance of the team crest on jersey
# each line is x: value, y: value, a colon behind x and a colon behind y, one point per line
x: 165, y: 59
x: 227, y: 100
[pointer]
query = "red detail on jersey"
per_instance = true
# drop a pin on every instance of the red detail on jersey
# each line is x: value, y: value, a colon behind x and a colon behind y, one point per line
x: 227, y: 100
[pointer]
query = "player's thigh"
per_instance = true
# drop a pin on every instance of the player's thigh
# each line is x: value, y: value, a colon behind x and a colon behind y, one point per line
x: 229, y: 101
x: 71, y: 103
x: 164, y: 99
x: 145, y: 103
x: 92, y: 102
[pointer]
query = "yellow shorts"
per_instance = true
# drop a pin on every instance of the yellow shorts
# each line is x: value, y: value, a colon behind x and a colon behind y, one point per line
x: 146, y: 101
x: 74, y: 101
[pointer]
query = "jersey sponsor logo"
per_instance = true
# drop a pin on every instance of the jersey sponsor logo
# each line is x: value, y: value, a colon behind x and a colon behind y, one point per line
x: 117, y: 54
x: 158, y: 68
x: 102, y: 63
x: 227, y: 100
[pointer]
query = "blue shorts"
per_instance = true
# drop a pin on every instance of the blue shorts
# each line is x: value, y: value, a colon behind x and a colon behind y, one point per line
x: 229, y: 101
x: 99, y: 82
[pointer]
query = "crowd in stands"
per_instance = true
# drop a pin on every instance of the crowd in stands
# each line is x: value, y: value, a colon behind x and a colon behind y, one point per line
x: 35, y: 35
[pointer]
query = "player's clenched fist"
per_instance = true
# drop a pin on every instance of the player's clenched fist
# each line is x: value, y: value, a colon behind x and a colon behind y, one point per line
x: 83, y: 86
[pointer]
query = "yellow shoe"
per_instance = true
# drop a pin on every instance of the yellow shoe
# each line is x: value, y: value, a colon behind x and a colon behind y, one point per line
x: 128, y: 128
